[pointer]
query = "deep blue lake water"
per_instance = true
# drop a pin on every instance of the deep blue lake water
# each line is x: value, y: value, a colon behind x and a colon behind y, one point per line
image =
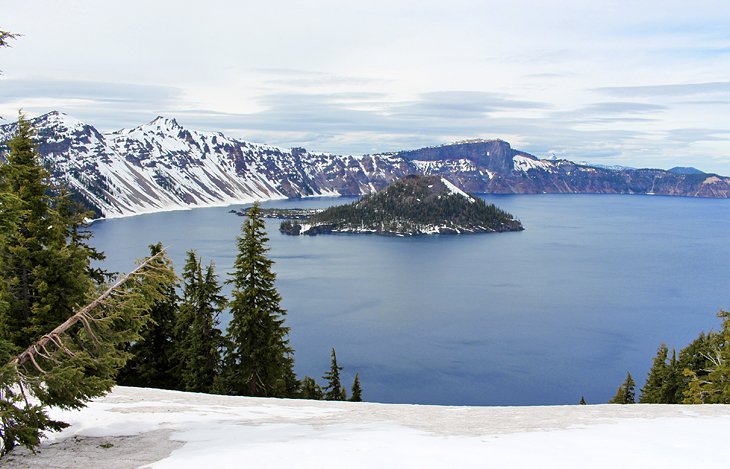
x: 563, y: 309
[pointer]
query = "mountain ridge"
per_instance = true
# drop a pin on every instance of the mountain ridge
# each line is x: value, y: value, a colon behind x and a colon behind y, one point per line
x: 162, y: 165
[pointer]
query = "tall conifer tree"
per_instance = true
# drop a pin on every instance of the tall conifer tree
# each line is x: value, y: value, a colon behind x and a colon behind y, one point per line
x: 671, y: 392
x: 356, y: 389
x: 651, y: 392
x: 258, y: 360
x: 152, y: 361
x: 333, y: 388
x: 198, y: 339
x: 310, y: 389
x: 718, y: 378
x: 45, y: 263
x: 626, y: 392
x: 77, y: 360
x: 695, y: 358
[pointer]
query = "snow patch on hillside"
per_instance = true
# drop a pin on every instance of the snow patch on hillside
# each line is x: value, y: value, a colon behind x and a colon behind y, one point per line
x: 432, y: 167
x: 455, y: 190
x: 162, y: 166
x: 525, y: 164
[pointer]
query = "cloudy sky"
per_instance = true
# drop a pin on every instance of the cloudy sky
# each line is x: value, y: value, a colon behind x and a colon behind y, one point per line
x: 615, y: 82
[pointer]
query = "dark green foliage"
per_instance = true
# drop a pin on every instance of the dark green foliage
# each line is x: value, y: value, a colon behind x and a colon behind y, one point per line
x: 651, y: 392
x: 21, y: 423
x: 292, y: 385
x: 625, y: 393
x: 78, y: 360
x: 45, y: 274
x: 356, y: 389
x: 582, y: 401
x: 664, y: 382
x: 197, y: 337
x: 701, y: 374
x: 258, y: 360
x: 45, y: 262
x: 151, y: 364
x: 695, y: 360
x: 717, y: 384
x: 694, y: 392
x: 411, y: 205
x: 333, y: 388
x: 23, y: 426
x: 670, y: 392
x: 310, y: 389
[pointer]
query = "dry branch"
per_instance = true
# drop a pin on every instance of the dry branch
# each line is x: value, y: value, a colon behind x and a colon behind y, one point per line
x: 82, y: 316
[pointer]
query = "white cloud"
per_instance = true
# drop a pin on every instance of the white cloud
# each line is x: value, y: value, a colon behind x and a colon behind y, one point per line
x: 395, y: 72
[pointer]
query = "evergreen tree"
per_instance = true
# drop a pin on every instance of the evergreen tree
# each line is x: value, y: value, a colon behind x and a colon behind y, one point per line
x: 356, y: 389
x: 694, y: 394
x: 45, y: 262
x: 333, y: 388
x: 292, y: 384
x: 198, y: 339
x: 77, y: 360
x: 695, y: 358
x: 651, y: 393
x: 258, y: 360
x: 718, y: 377
x: 582, y: 401
x: 671, y: 393
x: 151, y: 364
x: 310, y: 389
x: 625, y: 393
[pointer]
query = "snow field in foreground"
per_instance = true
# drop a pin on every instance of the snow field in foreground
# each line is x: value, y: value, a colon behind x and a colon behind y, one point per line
x: 224, y: 431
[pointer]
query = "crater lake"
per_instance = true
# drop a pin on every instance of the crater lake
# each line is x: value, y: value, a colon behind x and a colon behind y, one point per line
x: 561, y: 310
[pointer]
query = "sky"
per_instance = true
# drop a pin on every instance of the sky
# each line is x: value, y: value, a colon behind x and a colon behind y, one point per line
x: 643, y: 84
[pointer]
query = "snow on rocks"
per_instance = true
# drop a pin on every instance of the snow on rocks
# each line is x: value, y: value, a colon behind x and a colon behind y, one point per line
x: 525, y: 164
x: 134, y: 427
x: 162, y: 166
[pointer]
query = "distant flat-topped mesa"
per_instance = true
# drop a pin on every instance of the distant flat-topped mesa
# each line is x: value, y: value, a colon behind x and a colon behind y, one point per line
x: 414, y: 205
x: 164, y: 166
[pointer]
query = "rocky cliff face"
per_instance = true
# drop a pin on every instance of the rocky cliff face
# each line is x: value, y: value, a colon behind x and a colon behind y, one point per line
x: 494, y: 167
x: 163, y: 166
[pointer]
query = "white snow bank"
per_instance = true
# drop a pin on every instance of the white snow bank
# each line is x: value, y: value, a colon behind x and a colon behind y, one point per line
x: 220, y: 431
x: 455, y: 190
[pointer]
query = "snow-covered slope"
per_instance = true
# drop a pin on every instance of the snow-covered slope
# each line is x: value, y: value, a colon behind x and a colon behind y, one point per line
x: 134, y: 427
x: 163, y: 166
x: 455, y: 190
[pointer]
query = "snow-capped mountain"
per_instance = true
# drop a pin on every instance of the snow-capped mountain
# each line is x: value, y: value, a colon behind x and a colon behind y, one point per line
x: 163, y: 166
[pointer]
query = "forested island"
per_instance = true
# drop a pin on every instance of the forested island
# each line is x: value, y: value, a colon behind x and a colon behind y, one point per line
x: 414, y: 205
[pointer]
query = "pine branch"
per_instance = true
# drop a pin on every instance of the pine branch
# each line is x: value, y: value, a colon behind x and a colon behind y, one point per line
x: 82, y: 316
